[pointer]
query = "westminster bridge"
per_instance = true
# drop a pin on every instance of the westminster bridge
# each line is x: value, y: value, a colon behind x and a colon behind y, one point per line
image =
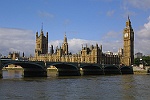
x: 39, y: 68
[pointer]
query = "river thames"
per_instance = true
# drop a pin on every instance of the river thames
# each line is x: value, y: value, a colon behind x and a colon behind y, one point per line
x: 115, y: 87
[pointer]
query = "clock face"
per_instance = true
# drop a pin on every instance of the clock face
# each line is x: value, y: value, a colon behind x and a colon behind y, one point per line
x: 126, y: 35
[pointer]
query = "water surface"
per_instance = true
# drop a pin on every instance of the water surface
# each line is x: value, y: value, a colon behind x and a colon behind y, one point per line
x: 117, y: 87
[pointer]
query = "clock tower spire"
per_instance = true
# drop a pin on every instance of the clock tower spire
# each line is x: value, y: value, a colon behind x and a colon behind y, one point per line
x: 128, y: 49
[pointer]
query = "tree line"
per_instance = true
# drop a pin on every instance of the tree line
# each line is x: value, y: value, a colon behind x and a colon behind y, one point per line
x: 145, y: 60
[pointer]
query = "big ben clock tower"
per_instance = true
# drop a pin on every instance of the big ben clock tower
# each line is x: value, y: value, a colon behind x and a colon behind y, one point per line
x: 128, y: 50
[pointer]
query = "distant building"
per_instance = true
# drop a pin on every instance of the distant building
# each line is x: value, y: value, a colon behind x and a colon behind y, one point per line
x: 16, y: 56
x: 138, y: 55
x: 109, y: 53
x: 120, y: 52
x: 148, y: 55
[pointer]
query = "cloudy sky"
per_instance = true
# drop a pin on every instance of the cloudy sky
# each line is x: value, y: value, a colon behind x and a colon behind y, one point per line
x: 84, y: 21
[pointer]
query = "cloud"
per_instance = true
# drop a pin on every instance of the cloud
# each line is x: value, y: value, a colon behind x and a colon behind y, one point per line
x: 128, y: 13
x: 142, y: 38
x: 45, y: 15
x: 20, y: 40
x: 110, y: 13
x: 16, y: 40
x: 75, y: 45
x: 111, y: 35
x: 141, y: 4
x: 144, y: 32
x: 67, y: 22
x: 102, y: 0
x: 125, y: 6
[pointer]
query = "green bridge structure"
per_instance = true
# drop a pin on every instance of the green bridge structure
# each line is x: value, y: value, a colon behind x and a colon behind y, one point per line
x: 39, y: 68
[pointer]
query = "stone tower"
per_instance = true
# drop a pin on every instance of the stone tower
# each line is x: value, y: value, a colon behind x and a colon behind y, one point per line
x: 65, y: 46
x: 41, y: 43
x: 128, y: 50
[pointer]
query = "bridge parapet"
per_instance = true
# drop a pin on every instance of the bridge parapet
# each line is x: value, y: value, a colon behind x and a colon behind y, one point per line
x: 48, y: 64
x: 90, y: 64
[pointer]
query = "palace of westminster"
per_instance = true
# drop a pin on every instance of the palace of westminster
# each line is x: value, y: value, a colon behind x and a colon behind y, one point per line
x: 92, y: 54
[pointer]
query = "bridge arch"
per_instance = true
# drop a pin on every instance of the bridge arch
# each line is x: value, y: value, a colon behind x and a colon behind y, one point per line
x: 92, y: 69
x: 65, y: 69
x: 111, y: 70
x: 30, y: 69
x: 126, y: 70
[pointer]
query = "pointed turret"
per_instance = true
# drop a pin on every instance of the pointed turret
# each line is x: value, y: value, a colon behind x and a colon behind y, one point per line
x: 47, y: 35
x: 42, y: 30
x: 51, y: 49
x: 36, y: 35
x: 65, y: 38
x: 23, y: 54
x: 41, y: 43
x: 65, y: 45
x: 128, y: 22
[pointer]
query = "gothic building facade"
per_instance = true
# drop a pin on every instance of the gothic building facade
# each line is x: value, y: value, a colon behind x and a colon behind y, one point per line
x: 92, y: 54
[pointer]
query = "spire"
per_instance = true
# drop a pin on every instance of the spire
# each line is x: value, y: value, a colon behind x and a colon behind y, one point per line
x: 65, y: 45
x: 128, y: 22
x: 42, y: 28
x: 65, y: 38
x: 23, y: 54
x: 51, y: 49
x: 36, y: 34
x: 128, y: 18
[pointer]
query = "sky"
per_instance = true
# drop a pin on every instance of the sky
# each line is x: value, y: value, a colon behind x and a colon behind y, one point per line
x: 84, y: 22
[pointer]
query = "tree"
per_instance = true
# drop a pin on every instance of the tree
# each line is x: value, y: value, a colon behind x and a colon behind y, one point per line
x: 146, y: 60
x: 137, y: 61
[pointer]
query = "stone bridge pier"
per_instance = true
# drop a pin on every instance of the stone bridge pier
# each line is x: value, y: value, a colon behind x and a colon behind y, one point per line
x: 33, y: 69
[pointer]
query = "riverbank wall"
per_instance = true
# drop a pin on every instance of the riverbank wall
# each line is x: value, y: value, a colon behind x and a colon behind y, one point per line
x: 141, y: 70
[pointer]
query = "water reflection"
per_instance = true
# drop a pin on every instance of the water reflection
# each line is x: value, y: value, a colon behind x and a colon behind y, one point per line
x: 12, y: 74
x: 128, y: 87
x: 52, y: 73
x: 18, y: 73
